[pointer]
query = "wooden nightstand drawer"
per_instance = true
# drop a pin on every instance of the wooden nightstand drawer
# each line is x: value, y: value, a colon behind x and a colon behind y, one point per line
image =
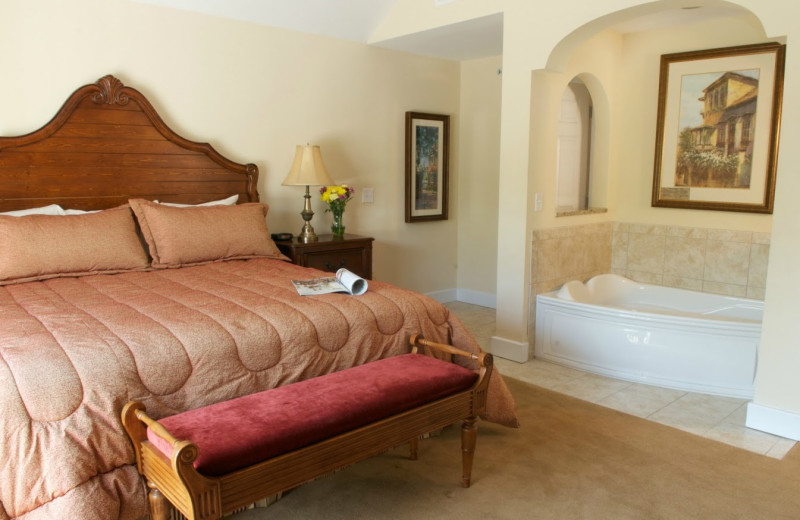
x: 352, y: 252
x: 352, y: 259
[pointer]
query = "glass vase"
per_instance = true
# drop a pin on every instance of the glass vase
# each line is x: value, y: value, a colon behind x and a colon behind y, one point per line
x: 337, y: 228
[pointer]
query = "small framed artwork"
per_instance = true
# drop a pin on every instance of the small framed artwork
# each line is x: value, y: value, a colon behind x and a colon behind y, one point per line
x: 427, y: 165
x: 719, y: 114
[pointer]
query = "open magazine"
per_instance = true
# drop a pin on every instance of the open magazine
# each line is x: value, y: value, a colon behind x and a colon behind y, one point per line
x: 345, y: 281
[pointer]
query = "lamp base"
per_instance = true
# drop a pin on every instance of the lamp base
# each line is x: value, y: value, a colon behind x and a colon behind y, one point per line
x: 307, y: 234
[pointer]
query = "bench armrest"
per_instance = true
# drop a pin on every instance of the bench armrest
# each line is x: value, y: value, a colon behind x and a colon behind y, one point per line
x: 136, y: 422
x: 156, y: 427
x: 485, y: 366
x: 416, y: 341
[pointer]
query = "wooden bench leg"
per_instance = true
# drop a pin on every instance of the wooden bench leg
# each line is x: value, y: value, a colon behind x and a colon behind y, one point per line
x: 413, y: 445
x: 159, y: 506
x: 469, y: 433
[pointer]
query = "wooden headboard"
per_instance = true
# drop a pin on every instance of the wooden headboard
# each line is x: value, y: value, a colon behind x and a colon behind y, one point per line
x: 107, y: 144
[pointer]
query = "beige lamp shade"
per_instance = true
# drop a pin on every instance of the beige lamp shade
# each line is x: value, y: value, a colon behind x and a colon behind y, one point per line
x: 308, y: 168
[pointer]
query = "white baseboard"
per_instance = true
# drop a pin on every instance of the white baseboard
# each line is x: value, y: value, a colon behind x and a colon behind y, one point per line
x: 774, y: 421
x: 509, y: 349
x: 445, y: 296
x: 483, y: 299
x: 465, y: 295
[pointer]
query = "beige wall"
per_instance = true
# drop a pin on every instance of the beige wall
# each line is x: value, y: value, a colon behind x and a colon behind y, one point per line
x: 534, y: 42
x: 777, y: 384
x: 254, y: 93
x: 481, y: 84
x: 596, y: 63
x: 635, y: 132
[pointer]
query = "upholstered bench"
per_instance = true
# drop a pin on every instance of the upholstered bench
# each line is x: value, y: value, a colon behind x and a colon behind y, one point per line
x: 216, y: 459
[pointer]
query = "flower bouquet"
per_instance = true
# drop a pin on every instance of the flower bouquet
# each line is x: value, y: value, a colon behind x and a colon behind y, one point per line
x: 337, y: 197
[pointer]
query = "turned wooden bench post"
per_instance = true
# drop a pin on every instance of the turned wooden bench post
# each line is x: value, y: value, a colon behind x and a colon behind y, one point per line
x: 469, y: 428
x: 469, y: 434
x: 159, y: 505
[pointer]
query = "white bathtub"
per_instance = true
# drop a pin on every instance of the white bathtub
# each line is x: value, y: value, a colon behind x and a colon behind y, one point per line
x: 656, y: 335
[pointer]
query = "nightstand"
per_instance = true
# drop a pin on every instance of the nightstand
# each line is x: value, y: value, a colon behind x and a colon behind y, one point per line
x: 353, y: 252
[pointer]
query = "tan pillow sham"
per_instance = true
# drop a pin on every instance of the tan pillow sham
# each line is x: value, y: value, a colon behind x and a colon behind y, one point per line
x: 202, y: 234
x: 37, y: 247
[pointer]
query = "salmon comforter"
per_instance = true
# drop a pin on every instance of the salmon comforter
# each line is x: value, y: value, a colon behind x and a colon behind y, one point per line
x: 73, y: 351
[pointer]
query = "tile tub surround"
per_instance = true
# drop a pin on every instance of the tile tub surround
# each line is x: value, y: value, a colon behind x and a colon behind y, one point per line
x: 563, y: 254
x: 733, y: 263
x: 569, y: 253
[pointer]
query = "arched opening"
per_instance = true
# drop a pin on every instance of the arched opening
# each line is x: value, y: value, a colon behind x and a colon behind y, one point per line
x: 617, y: 230
x: 575, y: 148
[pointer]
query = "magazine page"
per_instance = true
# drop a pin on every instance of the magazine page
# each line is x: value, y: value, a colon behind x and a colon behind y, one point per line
x: 345, y: 281
x: 318, y: 286
x: 354, y: 283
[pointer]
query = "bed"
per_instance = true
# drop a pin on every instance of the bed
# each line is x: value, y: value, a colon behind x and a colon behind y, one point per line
x: 107, y: 296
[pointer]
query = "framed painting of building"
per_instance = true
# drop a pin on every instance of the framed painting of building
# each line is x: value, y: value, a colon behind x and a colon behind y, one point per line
x: 719, y: 115
x: 427, y: 166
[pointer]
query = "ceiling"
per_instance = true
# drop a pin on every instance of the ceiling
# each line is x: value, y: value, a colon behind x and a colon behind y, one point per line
x: 356, y: 20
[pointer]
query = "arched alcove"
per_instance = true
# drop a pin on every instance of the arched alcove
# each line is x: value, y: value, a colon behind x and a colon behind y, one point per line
x: 644, y: 17
x: 582, y: 169
x: 620, y: 70
x: 575, y: 148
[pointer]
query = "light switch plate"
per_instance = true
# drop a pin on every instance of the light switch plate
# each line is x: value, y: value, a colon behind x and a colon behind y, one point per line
x: 367, y: 195
x: 537, y: 202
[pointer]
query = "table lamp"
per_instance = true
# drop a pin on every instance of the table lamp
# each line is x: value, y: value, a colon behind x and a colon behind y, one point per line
x: 307, y: 170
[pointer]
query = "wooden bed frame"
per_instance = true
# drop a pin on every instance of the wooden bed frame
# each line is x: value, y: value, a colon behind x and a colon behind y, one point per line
x: 108, y: 144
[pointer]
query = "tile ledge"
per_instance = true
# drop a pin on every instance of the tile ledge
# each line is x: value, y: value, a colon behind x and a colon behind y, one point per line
x: 590, y: 211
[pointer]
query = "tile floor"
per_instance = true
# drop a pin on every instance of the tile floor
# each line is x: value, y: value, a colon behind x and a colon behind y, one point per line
x: 718, y: 418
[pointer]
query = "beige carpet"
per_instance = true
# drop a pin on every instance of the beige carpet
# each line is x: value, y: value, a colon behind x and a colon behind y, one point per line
x: 570, y: 460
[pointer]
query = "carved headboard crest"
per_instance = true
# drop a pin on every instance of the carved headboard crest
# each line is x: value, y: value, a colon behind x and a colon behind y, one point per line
x: 110, y: 91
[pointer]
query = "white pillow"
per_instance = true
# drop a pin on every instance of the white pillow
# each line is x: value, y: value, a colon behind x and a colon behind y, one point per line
x: 78, y: 211
x: 230, y: 201
x: 52, y: 209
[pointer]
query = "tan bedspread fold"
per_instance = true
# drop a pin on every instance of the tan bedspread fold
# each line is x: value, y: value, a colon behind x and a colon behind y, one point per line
x: 73, y: 351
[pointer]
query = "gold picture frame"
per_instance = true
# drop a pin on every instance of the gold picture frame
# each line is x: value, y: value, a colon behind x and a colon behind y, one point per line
x: 718, y: 124
x: 427, y: 166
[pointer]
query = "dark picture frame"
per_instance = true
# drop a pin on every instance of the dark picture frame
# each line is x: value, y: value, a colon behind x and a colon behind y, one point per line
x: 718, y: 126
x: 427, y: 166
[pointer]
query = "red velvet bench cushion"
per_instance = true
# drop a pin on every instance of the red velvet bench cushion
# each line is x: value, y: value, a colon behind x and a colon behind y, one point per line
x: 244, y: 431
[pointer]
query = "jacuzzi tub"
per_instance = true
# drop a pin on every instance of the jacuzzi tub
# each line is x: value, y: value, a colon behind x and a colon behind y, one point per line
x: 656, y: 335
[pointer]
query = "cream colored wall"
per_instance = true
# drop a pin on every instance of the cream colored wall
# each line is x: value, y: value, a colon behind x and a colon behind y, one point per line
x: 254, y: 93
x: 410, y: 16
x: 597, y: 63
x: 636, y: 129
x: 534, y: 40
x: 777, y: 384
x: 481, y: 85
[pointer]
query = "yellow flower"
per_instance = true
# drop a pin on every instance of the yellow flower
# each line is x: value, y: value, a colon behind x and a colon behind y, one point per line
x: 336, y: 196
